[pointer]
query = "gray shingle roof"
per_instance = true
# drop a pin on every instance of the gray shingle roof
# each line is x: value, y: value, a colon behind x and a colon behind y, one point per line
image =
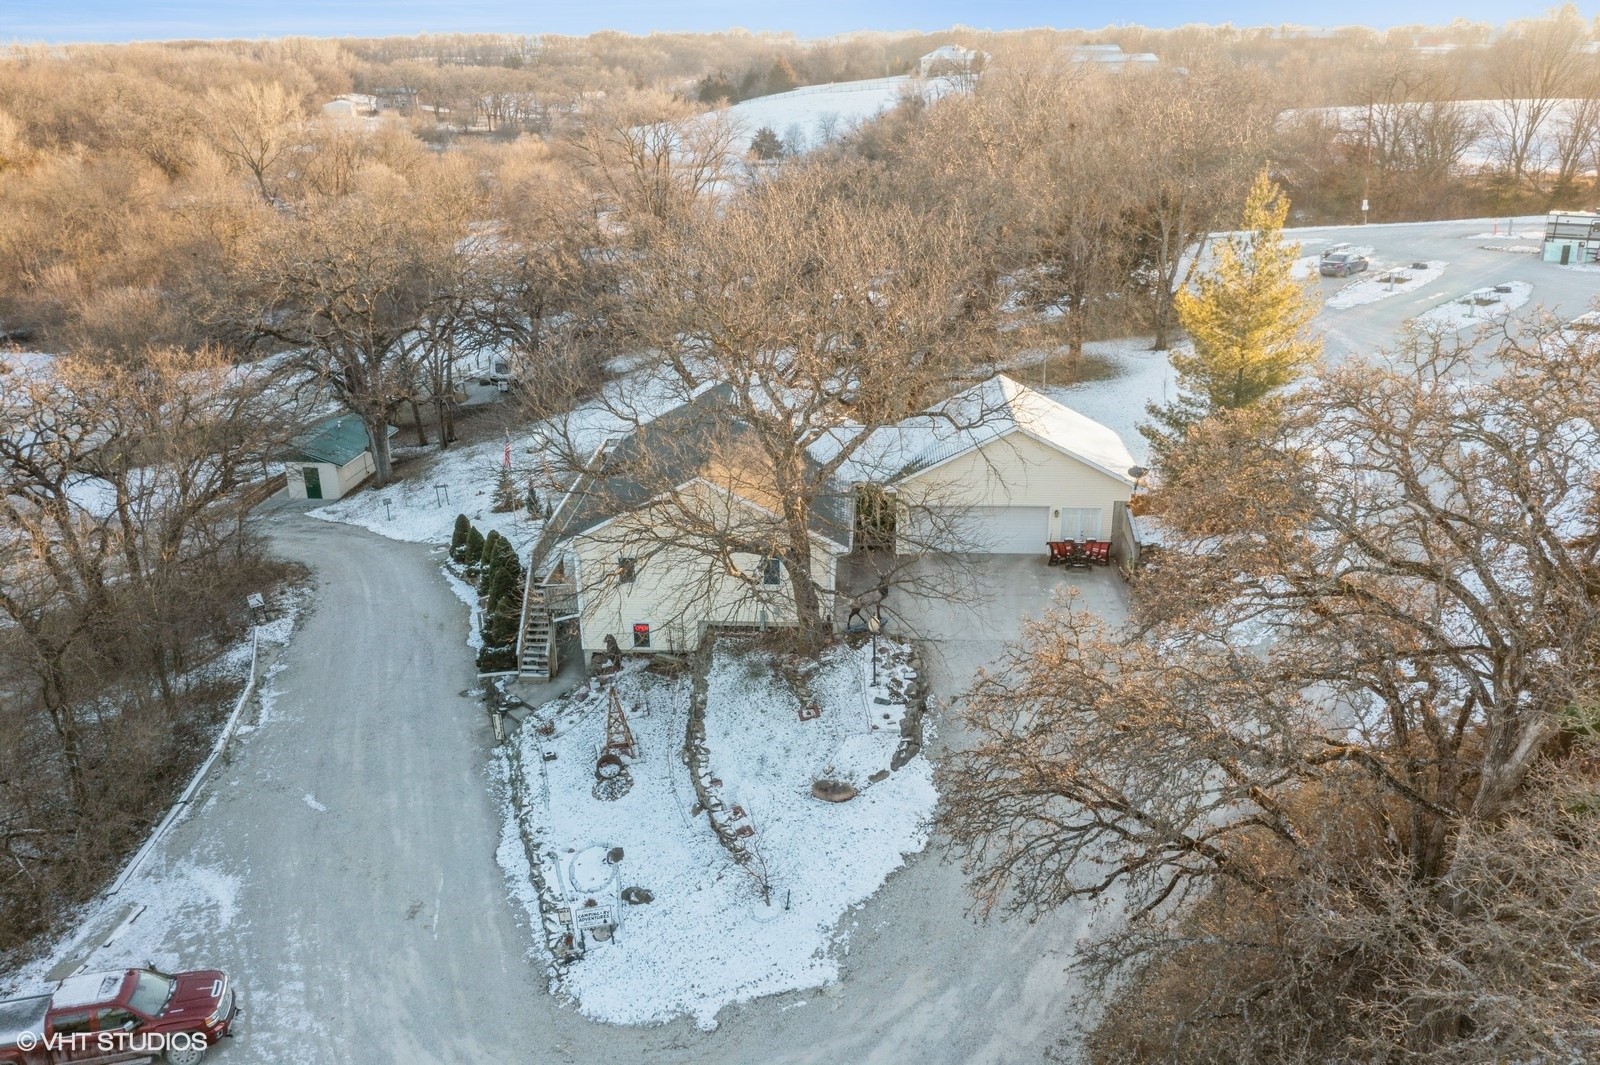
x: 669, y: 451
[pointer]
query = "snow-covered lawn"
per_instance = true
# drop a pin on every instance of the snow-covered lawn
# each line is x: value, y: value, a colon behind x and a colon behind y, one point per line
x: 1477, y: 307
x: 708, y: 937
x: 1143, y: 377
x: 417, y: 510
x: 1381, y: 284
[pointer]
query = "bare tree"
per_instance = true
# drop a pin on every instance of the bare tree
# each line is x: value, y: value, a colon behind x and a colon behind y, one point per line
x: 653, y: 159
x: 819, y: 318
x: 1577, y: 138
x: 117, y: 491
x: 1414, y: 133
x: 347, y: 283
x: 1373, y: 623
x: 1199, y: 137
x: 257, y: 127
x: 1530, y: 72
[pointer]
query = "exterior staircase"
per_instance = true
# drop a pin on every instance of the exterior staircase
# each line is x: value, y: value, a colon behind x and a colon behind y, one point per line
x: 536, y: 648
x: 544, y: 604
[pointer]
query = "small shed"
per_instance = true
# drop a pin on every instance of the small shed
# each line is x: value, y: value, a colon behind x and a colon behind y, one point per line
x: 330, y: 460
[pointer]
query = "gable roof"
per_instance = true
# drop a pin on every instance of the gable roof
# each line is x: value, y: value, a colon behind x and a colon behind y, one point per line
x: 698, y: 440
x: 980, y: 415
x: 338, y: 440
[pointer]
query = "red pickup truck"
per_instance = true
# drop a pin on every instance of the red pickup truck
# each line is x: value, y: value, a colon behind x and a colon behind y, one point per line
x: 120, y: 1016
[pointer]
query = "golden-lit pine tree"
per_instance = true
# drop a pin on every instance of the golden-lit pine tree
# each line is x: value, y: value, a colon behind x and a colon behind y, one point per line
x: 1248, y: 319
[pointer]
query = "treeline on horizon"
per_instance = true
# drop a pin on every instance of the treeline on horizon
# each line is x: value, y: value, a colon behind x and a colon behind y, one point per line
x: 129, y: 172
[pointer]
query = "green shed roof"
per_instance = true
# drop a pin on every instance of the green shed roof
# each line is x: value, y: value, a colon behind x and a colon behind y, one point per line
x: 338, y: 440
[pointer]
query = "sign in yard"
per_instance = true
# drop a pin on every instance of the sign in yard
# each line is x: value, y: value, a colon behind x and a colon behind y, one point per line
x: 587, y: 917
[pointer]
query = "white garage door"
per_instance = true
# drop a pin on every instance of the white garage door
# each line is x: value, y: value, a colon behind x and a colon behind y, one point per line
x: 991, y: 530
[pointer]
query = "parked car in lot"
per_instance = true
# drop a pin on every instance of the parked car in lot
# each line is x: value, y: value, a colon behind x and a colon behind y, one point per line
x: 1342, y: 264
x: 120, y: 1015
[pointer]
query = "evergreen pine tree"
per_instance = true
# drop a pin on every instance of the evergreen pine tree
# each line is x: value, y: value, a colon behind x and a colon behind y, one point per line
x: 717, y: 88
x: 458, y: 538
x: 766, y: 145
x: 504, y: 607
x: 505, y: 492
x: 1247, y: 317
x: 781, y: 78
x: 506, y: 617
x: 474, y: 551
x: 488, y: 558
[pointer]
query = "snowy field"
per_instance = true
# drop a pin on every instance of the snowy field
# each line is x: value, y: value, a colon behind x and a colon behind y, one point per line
x: 711, y: 935
x: 1478, y: 307
x: 817, y: 114
x: 416, y: 509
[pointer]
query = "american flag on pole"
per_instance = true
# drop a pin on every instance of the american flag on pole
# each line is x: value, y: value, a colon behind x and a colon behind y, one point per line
x: 507, y: 460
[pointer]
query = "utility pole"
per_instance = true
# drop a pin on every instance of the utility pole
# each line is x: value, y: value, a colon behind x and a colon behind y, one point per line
x: 1366, y: 176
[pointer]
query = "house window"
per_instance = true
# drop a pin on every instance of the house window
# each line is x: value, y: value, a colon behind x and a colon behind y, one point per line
x: 771, y: 571
x: 627, y: 569
x: 641, y: 634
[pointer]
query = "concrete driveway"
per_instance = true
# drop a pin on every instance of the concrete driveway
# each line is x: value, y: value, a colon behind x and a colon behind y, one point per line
x: 990, y: 595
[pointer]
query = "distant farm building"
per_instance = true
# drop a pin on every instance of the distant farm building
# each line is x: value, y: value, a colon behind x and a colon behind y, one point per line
x: 951, y: 60
x: 1111, y: 56
x: 351, y: 105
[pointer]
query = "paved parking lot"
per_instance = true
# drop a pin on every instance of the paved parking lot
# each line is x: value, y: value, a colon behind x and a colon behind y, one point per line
x: 1477, y: 259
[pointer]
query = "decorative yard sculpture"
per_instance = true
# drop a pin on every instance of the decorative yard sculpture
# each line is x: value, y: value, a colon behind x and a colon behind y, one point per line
x: 619, y: 737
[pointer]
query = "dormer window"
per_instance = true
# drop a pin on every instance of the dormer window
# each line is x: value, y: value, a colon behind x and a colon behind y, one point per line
x: 771, y: 571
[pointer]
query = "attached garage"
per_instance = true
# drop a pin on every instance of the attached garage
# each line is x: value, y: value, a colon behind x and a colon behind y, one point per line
x: 985, y: 530
x: 1032, y: 472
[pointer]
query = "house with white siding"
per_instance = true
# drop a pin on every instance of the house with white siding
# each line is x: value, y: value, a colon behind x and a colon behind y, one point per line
x: 673, y: 530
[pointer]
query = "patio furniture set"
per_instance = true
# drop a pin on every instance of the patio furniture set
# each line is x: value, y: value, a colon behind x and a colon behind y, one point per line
x: 1080, y: 553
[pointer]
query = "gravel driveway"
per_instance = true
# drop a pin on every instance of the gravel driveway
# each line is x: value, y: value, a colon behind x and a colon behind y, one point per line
x: 346, y: 852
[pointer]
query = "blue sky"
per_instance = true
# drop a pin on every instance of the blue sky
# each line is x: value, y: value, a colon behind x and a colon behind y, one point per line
x: 108, y: 20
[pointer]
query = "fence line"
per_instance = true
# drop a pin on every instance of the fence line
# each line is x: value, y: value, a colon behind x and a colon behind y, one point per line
x: 199, y: 777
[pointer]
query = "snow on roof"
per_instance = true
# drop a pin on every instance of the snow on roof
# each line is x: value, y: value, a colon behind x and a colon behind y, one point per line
x: 87, y: 989
x: 968, y: 420
x: 338, y: 440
